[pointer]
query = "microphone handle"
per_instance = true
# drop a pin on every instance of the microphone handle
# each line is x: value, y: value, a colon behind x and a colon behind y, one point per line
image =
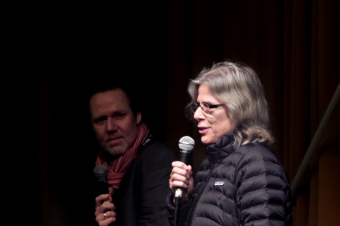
x: 102, y: 188
x: 184, y: 157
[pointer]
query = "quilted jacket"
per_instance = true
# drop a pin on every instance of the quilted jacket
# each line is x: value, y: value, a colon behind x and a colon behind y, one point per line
x: 244, y: 186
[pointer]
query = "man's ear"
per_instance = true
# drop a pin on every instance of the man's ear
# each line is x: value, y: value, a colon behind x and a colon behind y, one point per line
x: 139, y: 118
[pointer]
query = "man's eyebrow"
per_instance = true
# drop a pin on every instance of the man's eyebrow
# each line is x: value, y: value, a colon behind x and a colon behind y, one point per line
x: 98, y: 118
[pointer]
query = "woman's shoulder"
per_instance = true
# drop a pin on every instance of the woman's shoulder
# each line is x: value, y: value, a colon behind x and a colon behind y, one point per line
x: 256, y: 149
x: 254, y: 153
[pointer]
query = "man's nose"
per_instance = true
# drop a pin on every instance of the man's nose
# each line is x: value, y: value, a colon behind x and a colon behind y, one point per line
x: 111, y: 125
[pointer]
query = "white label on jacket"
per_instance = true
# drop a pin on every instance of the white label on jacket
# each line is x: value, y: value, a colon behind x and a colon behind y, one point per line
x: 219, y: 182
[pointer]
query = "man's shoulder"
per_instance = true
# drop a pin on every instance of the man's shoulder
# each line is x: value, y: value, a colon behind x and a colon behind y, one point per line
x: 155, y: 148
x: 155, y: 145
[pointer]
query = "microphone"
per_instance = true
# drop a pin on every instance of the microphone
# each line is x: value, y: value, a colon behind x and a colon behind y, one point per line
x: 100, y: 173
x: 186, y: 144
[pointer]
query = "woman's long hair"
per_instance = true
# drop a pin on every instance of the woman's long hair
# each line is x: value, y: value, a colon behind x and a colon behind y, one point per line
x: 239, y: 88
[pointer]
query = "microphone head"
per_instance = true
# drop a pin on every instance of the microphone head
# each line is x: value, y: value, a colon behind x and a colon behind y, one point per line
x: 100, y: 172
x: 186, y: 144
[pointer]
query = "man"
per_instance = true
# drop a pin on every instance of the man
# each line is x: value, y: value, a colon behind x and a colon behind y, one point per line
x: 138, y: 165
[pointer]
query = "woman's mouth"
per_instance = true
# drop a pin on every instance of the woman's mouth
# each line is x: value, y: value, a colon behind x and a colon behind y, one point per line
x: 203, y: 130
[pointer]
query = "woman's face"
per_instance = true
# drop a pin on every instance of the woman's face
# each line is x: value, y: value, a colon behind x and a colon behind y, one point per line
x: 214, y: 125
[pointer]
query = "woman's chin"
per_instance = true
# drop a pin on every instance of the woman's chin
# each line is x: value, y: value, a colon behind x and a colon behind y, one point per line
x: 205, y: 140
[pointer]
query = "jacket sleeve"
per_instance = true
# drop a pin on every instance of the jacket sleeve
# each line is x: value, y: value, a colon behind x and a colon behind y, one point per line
x: 263, y: 193
x: 185, y: 209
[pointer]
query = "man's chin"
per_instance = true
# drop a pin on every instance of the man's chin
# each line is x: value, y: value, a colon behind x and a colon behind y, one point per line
x: 116, y: 151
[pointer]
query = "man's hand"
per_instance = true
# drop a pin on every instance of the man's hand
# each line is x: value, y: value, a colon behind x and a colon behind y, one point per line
x: 105, y: 210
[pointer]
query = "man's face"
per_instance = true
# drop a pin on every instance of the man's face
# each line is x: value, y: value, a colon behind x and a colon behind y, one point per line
x: 113, y: 121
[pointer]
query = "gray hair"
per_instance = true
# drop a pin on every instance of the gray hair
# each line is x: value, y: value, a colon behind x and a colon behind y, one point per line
x: 239, y: 88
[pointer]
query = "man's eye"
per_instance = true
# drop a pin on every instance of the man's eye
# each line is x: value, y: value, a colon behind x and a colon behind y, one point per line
x: 120, y: 115
x: 100, y: 120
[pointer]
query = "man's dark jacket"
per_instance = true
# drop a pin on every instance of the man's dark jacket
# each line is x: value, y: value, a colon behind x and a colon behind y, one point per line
x: 141, y: 197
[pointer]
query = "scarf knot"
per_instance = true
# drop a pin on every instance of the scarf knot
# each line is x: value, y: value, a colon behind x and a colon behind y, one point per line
x: 118, y: 167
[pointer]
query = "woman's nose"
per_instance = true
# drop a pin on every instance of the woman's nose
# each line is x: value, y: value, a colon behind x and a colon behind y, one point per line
x: 198, y: 115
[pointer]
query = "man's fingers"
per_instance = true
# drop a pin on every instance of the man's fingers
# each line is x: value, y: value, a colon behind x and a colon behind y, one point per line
x: 101, y: 198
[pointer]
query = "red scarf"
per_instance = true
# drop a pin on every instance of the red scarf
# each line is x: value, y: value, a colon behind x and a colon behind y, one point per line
x: 118, y: 167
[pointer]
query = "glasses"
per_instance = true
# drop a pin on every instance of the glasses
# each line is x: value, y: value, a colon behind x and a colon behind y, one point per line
x: 206, y: 108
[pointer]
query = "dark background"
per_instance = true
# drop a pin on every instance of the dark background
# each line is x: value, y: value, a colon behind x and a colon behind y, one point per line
x: 57, y: 49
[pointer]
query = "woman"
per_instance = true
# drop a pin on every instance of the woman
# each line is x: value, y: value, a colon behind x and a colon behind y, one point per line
x: 240, y: 182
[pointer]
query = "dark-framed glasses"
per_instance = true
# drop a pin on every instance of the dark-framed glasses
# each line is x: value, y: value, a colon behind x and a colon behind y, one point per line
x: 206, y: 108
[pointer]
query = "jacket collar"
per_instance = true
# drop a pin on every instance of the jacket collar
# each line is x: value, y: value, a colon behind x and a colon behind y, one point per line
x: 221, y: 149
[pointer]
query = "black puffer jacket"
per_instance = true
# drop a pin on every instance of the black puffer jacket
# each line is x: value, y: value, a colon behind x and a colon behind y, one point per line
x: 246, y: 186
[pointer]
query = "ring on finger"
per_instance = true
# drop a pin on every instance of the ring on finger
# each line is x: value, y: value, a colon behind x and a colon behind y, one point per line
x: 105, y: 217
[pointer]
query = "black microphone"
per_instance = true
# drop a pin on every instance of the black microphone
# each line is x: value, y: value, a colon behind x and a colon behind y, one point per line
x: 186, y: 144
x: 100, y: 173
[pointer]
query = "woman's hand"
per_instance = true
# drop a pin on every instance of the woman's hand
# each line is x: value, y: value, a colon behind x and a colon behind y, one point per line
x: 181, y: 177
